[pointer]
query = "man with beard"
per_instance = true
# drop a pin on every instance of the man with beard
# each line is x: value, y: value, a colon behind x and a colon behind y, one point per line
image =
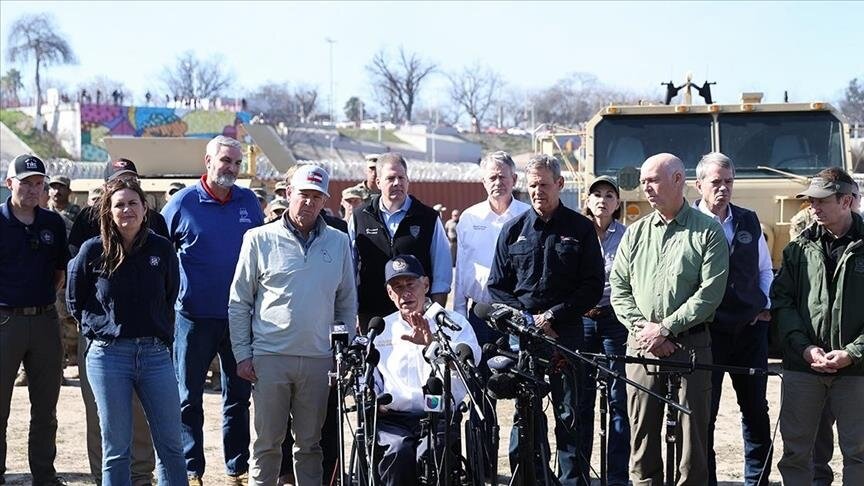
x: 207, y: 222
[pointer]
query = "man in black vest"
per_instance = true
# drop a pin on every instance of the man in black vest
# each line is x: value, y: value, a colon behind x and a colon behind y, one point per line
x: 394, y: 223
x: 739, y: 333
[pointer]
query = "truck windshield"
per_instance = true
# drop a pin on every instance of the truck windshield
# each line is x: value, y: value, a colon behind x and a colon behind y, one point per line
x: 802, y: 143
x: 626, y: 141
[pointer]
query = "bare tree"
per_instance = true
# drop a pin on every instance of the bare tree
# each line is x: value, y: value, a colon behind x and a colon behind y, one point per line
x: 852, y: 104
x: 306, y: 98
x: 276, y: 101
x: 475, y: 89
x: 36, y: 37
x: 397, y: 83
x: 195, y: 79
x: 576, y: 98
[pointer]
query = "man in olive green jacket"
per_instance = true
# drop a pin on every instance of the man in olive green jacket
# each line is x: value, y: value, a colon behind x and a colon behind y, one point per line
x: 817, y: 306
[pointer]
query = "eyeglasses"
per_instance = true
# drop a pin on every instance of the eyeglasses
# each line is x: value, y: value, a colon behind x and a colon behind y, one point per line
x: 32, y: 238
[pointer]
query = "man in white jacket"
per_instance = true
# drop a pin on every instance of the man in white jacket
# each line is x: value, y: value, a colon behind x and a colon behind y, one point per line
x: 294, y: 279
x: 402, y: 369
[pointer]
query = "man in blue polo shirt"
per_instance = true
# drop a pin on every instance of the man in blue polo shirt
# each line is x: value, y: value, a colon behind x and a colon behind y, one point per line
x: 33, y: 257
x: 206, y: 222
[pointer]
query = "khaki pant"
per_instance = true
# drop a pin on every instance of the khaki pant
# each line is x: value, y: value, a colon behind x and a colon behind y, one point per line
x: 647, y: 417
x: 143, y: 454
x: 289, y: 385
x: 804, y: 397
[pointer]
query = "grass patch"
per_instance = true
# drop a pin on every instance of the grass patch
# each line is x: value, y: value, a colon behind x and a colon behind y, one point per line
x: 43, y: 144
x: 508, y: 143
x: 387, y: 136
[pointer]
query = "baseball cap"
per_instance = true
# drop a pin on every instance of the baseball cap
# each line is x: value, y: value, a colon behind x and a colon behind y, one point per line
x: 403, y: 266
x: 24, y: 166
x: 311, y: 177
x: 352, y: 191
x: 372, y: 159
x: 175, y: 186
x: 118, y: 167
x: 62, y: 180
x: 281, y: 185
x: 605, y: 180
x: 278, y: 204
x: 821, y: 188
x: 260, y: 193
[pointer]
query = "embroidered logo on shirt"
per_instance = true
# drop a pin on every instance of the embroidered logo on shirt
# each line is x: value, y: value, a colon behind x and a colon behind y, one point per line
x: 414, y: 230
x: 154, y: 261
x: 372, y: 231
x: 479, y: 227
x: 47, y: 237
x: 326, y: 256
x: 244, y: 216
x: 521, y: 238
x: 744, y: 237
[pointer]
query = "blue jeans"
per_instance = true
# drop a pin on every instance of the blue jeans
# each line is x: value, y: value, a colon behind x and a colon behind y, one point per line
x: 117, y: 368
x: 749, y: 348
x: 608, y: 336
x: 196, y: 342
x: 564, y: 385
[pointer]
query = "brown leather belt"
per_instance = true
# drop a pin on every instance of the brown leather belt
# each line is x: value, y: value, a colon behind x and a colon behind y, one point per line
x: 26, y: 311
x: 599, y: 312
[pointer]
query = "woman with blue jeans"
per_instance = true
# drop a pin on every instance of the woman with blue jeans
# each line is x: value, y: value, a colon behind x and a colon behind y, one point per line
x: 603, y: 333
x: 122, y: 287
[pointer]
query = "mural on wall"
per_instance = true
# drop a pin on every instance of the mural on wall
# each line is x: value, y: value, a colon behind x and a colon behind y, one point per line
x: 98, y: 121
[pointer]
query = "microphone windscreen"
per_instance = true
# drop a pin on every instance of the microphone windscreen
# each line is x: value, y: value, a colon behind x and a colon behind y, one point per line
x: 373, y: 357
x: 434, y: 386
x: 375, y: 324
x: 482, y: 311
x: 464, y: 352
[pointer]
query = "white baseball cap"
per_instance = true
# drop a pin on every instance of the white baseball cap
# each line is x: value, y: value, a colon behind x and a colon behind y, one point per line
x: 311, y: 176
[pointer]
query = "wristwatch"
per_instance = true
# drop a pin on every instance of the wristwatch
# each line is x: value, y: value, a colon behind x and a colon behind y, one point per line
x: 664, y: 331
x: 549, y: 316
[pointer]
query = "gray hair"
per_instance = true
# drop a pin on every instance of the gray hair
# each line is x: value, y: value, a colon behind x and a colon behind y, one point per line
x: 499, y: 157
x: 546, y: 162
x: 221, y: 140
x: 390, y: 158
x: 713, y: 158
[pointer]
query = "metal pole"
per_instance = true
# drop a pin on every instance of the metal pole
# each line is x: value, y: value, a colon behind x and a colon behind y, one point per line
x: 434, y: 127
x: 332, y: 84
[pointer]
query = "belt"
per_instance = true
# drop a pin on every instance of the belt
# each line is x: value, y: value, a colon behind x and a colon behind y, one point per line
x: 599, y: 312
x: 26, y: 311
x: 694, y: 330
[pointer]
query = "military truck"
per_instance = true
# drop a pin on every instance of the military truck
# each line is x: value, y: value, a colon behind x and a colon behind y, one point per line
x: 776, y: 148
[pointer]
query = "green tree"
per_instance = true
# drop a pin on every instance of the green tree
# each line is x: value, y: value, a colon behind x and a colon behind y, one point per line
x: 10, y: 85
x: 355, y: 110
x: 35, y: 37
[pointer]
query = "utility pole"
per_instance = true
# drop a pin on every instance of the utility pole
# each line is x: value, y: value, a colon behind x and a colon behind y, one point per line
x: 434, y: 127
x: 332, y: 82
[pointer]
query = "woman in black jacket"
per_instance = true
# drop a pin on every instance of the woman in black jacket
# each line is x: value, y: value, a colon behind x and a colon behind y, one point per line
x: 122, y: 287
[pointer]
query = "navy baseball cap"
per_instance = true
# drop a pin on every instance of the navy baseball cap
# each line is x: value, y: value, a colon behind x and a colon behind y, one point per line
x: 25, y: 166
x: 403, y: 266
x: 118, y: 167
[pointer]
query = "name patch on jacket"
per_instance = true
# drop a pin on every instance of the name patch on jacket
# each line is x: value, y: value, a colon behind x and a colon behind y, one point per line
x: 744, y: 237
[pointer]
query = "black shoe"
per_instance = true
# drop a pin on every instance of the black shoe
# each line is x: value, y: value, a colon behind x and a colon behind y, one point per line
x: 55, y: 481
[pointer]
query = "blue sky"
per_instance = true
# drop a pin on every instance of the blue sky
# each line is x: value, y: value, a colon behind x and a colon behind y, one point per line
x: 811, y: 49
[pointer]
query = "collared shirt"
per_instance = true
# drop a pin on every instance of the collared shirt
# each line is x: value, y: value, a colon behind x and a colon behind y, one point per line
x: 305, y: 241
x: 442, y: 262
x: 476, y: 236
x: 609, y: 246
x: 30, y: 256
x: 553, y: 265
x: 673, y: 273
x: 402, y: 370
x: 766, y: 267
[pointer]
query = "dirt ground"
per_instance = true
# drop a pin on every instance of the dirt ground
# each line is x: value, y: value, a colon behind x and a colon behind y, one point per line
x: 71, y: 460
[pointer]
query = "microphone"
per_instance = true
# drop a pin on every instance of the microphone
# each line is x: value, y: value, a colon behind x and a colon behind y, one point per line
x: 432, y: 353
x: 376, y: 327
x: 465, y: 355
x: 441, y: 317
x: 372, y: 359
x: 338, y: 337
x: 502, y: 386
x: 506, y: 319
x: 433, y: 391
x: 497, y: 349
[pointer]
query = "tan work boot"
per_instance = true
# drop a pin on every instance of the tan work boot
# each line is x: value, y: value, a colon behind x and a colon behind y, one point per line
x: 238, y: 480
x: 195, y: 481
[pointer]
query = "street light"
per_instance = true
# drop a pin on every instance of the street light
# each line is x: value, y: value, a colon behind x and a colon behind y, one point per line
x: 332, y: 85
